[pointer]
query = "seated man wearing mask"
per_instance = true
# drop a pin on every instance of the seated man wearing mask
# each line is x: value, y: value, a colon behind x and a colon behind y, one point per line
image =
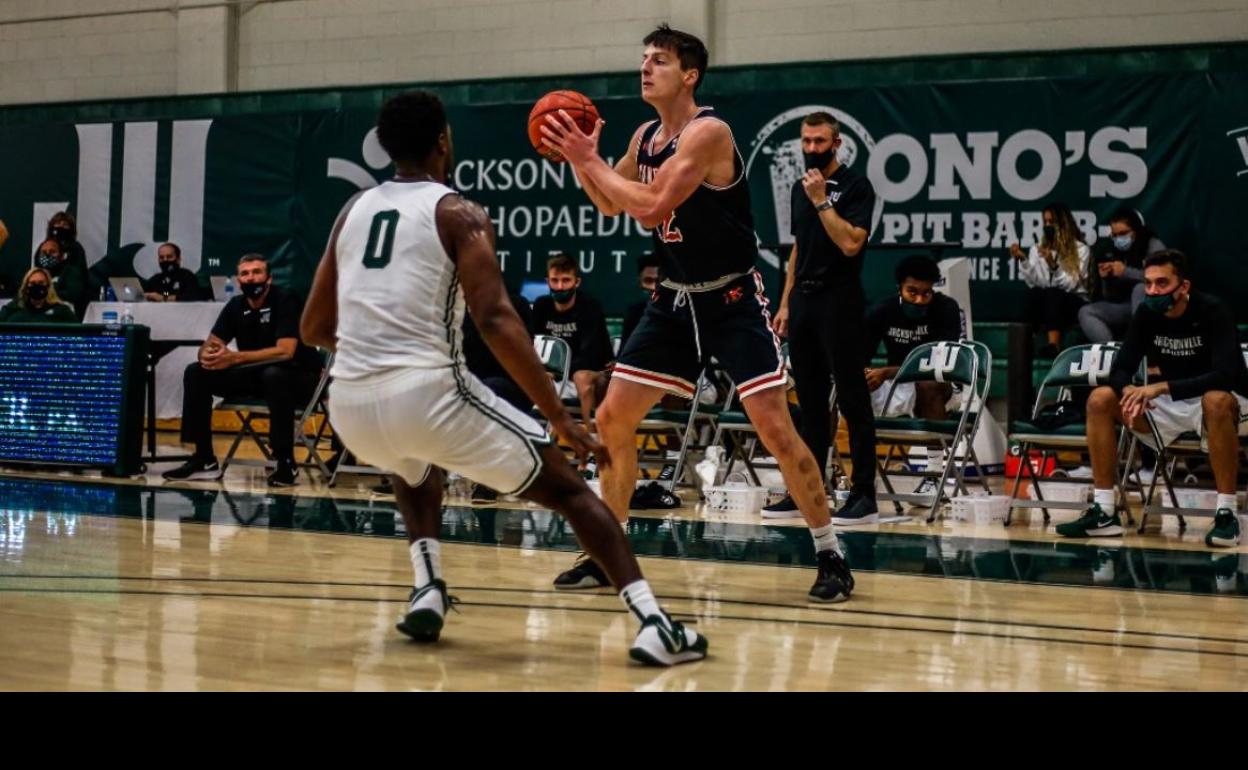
x: 37, y: 302
x: 1190, y: 337
x: 270, y: 363
x: 173, y: 283
x: 917, y: 314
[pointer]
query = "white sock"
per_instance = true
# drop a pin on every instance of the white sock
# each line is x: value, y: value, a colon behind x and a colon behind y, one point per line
x: 1104, y: 498
x: 825, y: 539
x: 426, y: 560
x: 1228, y: 502
x: 640, y: 601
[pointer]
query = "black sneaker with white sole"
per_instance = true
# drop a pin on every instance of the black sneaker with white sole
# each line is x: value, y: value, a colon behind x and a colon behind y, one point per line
x: 834, y: 582
x: 1094, y: 522
x: 785, y: 509
x: 195, y: 469
x: 584, y: 574
x: 653, y: 496
x: 858, y: 509
x: 284, y: 474
x: 427, y: 608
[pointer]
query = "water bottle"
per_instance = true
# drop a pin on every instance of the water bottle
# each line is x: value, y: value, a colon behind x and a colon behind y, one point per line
x: 109, y: 294
x: 229, y: 290
x: 708, y: 469
x: 127, y: 297
x: 842, y: 492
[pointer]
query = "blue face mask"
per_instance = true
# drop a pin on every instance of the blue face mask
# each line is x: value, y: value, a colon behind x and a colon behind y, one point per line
x: 1159, y: 303
x: 1123, y: 242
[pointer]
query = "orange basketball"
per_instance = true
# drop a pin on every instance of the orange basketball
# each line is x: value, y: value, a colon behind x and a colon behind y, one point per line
x: 577, y: 105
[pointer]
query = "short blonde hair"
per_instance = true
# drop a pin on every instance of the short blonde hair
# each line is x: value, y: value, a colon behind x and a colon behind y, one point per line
x: 21, y: 292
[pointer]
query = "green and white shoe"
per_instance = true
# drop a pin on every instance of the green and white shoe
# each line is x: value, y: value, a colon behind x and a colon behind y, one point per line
x: 1225, y: 532
x: 1093, y: 523
x: 664, y: 642
x: 426, y: 610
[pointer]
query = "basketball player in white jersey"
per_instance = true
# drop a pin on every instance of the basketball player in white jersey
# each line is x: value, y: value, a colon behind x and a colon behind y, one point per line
x: 389, y: 295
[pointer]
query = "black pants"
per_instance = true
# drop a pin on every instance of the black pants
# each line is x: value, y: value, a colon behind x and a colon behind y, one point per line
x: 1050, y: 309
x: 508, y: 391
x: 285, y: 388
x: 825, y: 343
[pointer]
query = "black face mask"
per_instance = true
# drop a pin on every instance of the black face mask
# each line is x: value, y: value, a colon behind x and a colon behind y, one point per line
x: 818, y: 159
x: 62, y: 234
x: 37, y: 291
x: 167, y: 267
x: 253, y: 290
x: 1050, y: 232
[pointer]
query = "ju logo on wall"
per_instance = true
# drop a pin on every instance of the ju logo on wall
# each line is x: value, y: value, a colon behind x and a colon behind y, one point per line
x: 1240, y: 137
x: 135, y: 199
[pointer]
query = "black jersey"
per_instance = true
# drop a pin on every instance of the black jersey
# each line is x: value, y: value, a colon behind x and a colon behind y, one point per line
x: 710, y: 234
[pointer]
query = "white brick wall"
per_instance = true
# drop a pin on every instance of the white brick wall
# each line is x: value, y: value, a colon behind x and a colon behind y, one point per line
x: 106, y: 49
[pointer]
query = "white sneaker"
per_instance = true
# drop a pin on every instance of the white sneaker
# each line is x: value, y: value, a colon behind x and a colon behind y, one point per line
x: 1146, y: 477
x: 1082, y: 472
x: 664, y: 642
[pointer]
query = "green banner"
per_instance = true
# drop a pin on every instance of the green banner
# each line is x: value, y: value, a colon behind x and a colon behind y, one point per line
x: 954, y: 159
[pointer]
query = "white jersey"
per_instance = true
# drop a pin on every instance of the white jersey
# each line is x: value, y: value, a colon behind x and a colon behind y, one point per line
x: 399, y: 301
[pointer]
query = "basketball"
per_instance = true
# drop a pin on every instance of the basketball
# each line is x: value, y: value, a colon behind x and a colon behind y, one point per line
x: 577, y: 105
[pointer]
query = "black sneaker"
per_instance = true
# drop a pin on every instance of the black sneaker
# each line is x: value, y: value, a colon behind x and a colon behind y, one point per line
x: 858, y: 509
x: 584, y: 574
x: 1093, y: 523
x: 785, y: 509
x: 482, y: 494
x: 653, y: 497
x: 1225, y: 531
x: 284, y: 475
x: 195, y: 469
x: 835, y: 582
x: 426, y: 614
x: 384, y: 488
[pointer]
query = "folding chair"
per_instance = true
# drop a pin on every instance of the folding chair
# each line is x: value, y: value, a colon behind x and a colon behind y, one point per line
x: 966, y: 363
x: 686, y: 425
x: 1188, y: 444
x: 1079, y: 366
x: 249, y: 409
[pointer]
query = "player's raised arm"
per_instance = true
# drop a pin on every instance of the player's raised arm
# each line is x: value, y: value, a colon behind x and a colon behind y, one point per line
x: 700, y: 144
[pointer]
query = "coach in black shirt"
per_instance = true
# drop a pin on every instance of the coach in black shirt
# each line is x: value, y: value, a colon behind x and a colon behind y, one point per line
x: 1190, y: 337
x: 270, y: 363
x: 173, y: 283
x: 822, y: 309
x: 916, y: 315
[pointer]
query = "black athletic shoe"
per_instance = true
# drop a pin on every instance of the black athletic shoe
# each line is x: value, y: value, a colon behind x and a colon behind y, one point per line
x: 785, y: 509
x: 284, y: 474
x: 426, y: 614
x: 858, y: 509
x: 584, y: 574
x: 653, y: 496
x: 195, y: 469
x: 482, y: 494
x: 835, y: 582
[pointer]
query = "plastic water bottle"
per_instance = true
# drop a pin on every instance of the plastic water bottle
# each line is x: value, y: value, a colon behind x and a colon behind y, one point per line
x: 229, y: 290
x: 127, y: 297
x: 109, y: 294
x: 708, y: 469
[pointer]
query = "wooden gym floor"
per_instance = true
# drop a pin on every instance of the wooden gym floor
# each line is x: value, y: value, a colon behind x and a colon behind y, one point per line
x: 136, y: 585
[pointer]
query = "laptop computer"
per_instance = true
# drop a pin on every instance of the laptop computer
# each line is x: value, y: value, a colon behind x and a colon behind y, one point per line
x: 127, y: 289
x: 219, y: 284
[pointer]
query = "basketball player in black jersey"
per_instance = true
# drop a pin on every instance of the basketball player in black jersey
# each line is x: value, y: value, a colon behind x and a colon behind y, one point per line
x: 683, y: 177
